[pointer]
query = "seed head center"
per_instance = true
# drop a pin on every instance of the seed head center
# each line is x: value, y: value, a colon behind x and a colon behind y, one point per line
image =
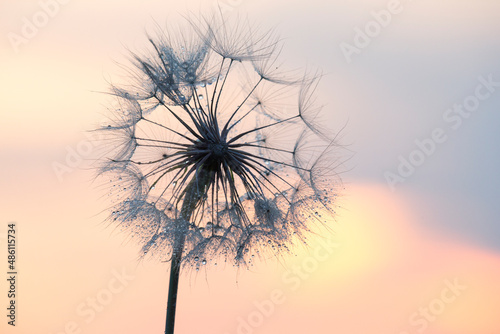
x: 218, y: 150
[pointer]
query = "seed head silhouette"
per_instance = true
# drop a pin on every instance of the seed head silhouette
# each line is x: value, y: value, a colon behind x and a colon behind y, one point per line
x: 217, y: 155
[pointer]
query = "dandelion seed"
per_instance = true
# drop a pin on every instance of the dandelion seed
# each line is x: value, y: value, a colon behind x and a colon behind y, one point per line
x: 209, y: 180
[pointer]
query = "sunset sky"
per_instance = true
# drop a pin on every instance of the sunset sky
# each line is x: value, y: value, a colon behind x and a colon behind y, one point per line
x: 414, y: 248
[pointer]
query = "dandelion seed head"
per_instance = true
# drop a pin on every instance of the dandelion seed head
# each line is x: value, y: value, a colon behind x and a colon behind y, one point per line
x: 215, y: 154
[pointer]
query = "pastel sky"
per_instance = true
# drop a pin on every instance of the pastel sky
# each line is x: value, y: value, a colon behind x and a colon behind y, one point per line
x: 419, y: 256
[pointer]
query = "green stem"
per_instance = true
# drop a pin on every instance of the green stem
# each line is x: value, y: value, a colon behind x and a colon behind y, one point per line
x: 192, y: 195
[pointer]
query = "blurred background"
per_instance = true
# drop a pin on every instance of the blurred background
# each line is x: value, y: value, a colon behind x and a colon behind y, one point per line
x: 415, y: 246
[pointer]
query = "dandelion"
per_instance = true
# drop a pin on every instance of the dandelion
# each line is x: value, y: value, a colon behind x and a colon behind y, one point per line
x: 216, y: 155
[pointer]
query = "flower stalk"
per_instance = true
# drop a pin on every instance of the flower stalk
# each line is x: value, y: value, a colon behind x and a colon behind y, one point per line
x: 173, y: 286
x: 193, y: 195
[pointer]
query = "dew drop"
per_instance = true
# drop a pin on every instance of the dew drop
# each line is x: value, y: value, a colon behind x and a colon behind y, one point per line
x: 200, y: 96
x: 204, y: 262
x: 196, y: 259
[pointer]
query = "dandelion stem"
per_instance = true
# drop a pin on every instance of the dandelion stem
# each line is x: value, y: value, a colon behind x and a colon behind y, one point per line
x: 173, y: 286
x: 193, y: 194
